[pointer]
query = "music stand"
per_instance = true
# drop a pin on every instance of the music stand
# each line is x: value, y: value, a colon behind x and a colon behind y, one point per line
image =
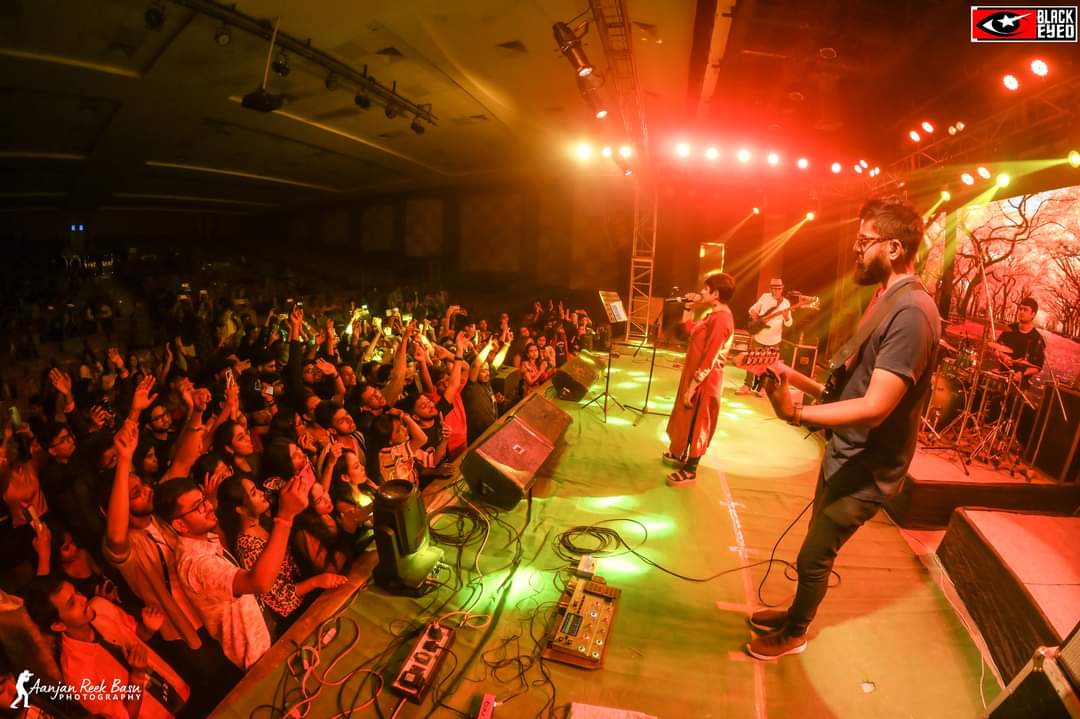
x: 613, y: 307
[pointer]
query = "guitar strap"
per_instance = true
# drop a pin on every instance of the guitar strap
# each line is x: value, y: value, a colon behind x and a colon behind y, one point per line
x: 869, y: 323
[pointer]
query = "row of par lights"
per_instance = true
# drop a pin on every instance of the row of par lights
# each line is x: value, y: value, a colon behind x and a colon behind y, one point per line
x: 928, y: 129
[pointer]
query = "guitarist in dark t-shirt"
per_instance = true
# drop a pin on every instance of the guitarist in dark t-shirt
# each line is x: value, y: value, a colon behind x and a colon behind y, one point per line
x: 873, y: 413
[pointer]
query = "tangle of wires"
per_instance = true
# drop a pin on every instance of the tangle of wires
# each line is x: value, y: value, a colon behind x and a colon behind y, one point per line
x: 602, y: 541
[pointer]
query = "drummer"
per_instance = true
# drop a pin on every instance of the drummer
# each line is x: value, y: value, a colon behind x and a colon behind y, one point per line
x: 1028, y: 348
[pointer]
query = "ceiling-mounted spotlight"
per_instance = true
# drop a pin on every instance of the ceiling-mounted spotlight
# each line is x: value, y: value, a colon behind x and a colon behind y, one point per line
x: 154, y: 17
x: 280, y: 65
x: 570, y: 46
x: 262, y: 101
x: 391, y: 110
x: 222, y: 36
x: 416, y: 127
x: 589, y: 86
x: 362, y: 101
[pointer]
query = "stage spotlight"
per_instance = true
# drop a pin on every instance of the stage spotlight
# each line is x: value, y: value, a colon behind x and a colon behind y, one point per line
x: 946, y: 195
x: 967, y: 179
x: 773, y: 159
x: 743, y: 155
x: 223, y: 37
x: 583, y: 150
x: 802, y: 163
x: 262, y: 101
x: 1074, y: 158
x: 756, y: 211
x: 407, y: 557
x: 362, y: 101
x: 875, y: 172
x: 952, y: 129
x: 154, y: 17
x: 626, y: 151
x: 915, y: 136
x: 1039, y: 67
x: 570, y: 46
x: 836, y: 168
x: 959, y: 126
x: 712, y: 153
x: 865, y: 165
x: 810, y: 216
x: 983, y: 172
x: 391, y: 110
x: 416, y: 127
x: 589, y: 87
x: 682, y: 149
x: 858, y: 168
x: 606, y: 151
x: 1011, y: 83
x: 927, y: 127
x: 1003, y: 179
x: 280, y: 65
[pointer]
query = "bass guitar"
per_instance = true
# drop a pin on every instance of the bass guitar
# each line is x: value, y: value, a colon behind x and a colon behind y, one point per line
x: 801, y: 302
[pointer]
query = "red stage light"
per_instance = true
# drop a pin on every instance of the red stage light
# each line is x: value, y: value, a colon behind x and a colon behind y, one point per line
x: 983, y: 173
x: 743, y: 155
x: 712, y: 153
x: 810, y: 216
x: 927, y: 127
x: 836, y: 167
x: 1040, y: 68
x: 757, y: 211
x: 626, y: 151
x: 967, y: 179
x: 773, y: 158
x: 1010, y: 82
x: 864, y: 164
x: 583, y: 150
x: 802, y: 163
x: 915, y: 136
x: 857, y: 168
x: 682, y: 149
x: 606, y: 151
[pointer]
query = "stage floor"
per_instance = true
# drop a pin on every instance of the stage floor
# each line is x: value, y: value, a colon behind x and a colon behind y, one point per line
x: 886, y: 642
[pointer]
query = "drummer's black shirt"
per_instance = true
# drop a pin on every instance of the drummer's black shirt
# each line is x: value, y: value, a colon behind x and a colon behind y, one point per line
x: 1028, y: 346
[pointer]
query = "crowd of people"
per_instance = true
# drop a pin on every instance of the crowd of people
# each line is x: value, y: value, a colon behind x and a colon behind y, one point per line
x: 172, y: 507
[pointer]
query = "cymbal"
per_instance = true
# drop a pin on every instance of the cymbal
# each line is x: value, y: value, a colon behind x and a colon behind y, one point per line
x: 969, y: 330
x: 1022, y: 363
x: 946, y: 346
x: 998, y: 347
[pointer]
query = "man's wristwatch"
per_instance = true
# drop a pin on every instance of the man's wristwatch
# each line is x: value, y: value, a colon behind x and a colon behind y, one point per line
x: 796, y: 415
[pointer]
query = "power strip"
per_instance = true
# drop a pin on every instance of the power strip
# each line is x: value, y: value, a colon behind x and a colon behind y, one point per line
x: 487, y: 707
x: 420, y: 667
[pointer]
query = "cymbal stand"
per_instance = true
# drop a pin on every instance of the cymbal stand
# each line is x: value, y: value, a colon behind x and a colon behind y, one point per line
x: 977, y: 369
x: 1061, y: 403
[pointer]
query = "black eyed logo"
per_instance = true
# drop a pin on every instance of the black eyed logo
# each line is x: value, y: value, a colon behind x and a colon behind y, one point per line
x: 1002, y: 24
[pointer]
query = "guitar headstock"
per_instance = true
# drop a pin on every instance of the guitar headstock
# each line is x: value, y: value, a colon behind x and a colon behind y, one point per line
x: 807, y: 302
x: 757, y: 360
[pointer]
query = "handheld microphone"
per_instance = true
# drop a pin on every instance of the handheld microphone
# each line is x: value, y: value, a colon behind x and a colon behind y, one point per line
x: 689, y: 297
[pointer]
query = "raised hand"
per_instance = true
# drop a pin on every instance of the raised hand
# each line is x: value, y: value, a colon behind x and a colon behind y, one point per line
x: 143, y: 398
x: 126, y: 440
x: 296, y: 321
x: 100, y: 417
x: 42, y: 540
x: 137, y: 657
x: 293, y: 498
x: 61, y: 381
x: 214, y: 480
x: 116, y: 359
x: 327, y: 368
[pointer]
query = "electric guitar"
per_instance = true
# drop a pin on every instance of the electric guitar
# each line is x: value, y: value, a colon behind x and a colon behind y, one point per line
x: 801, y: 301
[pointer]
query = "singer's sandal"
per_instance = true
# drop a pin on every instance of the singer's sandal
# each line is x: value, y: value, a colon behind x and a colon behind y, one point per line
x: 681, y: 478
x: 669, y: 458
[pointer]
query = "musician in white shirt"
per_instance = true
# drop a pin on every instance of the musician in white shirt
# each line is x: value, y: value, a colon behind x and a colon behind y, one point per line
x: 772, y: 303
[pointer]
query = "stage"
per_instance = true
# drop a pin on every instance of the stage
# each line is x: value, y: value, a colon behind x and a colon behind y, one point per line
x: 887, y: 643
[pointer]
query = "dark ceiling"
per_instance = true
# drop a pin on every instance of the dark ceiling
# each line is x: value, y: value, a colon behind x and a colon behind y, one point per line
x: 104, y: 112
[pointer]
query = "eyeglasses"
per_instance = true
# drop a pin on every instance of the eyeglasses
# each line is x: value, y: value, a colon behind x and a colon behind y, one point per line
x: 199, y: 506
x: 863, y: 242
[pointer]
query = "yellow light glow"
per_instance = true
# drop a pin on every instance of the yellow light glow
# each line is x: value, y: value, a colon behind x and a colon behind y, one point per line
x: 583, y: 150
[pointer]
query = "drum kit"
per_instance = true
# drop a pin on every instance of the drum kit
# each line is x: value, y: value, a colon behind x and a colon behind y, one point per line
x: 975, y: 399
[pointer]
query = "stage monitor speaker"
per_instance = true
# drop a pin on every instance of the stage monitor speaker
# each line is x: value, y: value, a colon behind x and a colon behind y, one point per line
x: 799, y: 357
x: 543, y: 417
x: 502, y: 468
x: 507, y: 380
x: 1041, y: 690
x: 576, y: 376
x: 1054, y: 445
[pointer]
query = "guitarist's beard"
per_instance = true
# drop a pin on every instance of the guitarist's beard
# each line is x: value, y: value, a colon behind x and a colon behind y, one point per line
x: 874, y: 273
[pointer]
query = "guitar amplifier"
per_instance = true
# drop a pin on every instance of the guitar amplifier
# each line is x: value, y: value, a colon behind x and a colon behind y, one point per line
x: 799, y: 357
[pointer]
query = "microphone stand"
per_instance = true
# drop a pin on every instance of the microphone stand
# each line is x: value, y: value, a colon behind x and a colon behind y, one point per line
x: 644, y: 409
